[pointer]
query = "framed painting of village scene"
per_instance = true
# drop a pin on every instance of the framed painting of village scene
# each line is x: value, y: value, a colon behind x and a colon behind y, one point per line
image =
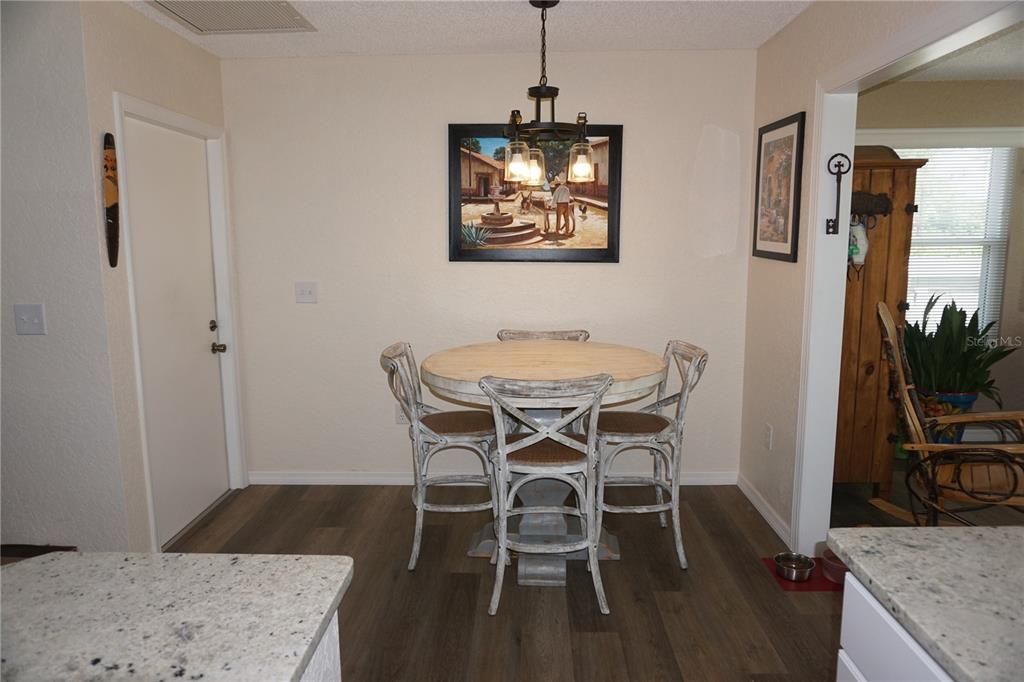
x: 780, y: 150
x: 491, y: 219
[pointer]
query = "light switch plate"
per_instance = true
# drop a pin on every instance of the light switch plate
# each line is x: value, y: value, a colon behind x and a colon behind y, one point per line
x: 305, y: 292
x: 29, y: 318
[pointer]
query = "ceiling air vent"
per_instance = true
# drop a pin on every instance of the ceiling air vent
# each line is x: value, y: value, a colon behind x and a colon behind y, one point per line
x: 241, y: 16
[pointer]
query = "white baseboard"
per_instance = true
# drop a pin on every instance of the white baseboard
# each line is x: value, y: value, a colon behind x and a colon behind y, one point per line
x: 780, y: 527
x: 708, y: 478
x: 405, y: 478
x: 330, y: 477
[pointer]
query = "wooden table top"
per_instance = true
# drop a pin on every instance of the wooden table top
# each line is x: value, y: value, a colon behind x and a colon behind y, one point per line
x: 455, y: 373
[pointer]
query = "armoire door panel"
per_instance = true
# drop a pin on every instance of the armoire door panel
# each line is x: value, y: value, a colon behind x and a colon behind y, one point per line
x: 848, y: 373
x: 866, y: 419
x: 870, y: 344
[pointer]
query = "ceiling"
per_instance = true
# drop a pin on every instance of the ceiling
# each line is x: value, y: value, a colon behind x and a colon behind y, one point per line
x: 998, y: 57
x: 451, y: 27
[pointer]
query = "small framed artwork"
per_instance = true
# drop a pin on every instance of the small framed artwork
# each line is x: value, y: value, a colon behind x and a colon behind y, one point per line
x: 780, y: 153
x: 549, y: 219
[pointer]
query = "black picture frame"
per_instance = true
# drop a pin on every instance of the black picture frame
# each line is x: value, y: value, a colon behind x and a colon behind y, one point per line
x: 779, y: 188
x: 457, y: 252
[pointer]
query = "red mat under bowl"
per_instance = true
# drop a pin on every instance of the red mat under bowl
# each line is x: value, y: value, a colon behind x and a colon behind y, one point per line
x: 817, y: 583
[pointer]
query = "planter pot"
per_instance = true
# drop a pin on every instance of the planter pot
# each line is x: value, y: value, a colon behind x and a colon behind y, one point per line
x: 948, y: 403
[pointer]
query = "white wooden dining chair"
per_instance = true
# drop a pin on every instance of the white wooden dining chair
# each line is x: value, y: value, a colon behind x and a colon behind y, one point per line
x: 649, y: 429
x: 526, y: 335
x: 546, y: 450
x: 431, y: 431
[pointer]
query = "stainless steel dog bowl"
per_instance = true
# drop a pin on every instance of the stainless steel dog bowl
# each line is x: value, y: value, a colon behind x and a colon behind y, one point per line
x: 794, y: 567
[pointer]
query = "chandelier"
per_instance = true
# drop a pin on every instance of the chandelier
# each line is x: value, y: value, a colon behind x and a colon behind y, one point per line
x: 524, y: 160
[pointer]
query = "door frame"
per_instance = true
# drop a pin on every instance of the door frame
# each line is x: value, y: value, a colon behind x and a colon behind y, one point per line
x: 126, y: 106
x: 934, y: 36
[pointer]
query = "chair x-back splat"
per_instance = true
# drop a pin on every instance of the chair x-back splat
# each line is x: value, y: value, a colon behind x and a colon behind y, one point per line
x: 530, y: 449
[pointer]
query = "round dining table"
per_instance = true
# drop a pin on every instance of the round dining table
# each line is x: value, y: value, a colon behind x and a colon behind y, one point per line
x: 454, y: 374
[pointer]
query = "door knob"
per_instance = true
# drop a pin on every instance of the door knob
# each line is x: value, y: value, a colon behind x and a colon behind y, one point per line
x: 218, y: 348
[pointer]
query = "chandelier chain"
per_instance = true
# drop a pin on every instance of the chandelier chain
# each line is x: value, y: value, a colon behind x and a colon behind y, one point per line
x: 543, y: 47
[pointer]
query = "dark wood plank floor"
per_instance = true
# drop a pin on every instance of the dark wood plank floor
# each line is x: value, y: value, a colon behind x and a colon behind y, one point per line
x: 723, y: 619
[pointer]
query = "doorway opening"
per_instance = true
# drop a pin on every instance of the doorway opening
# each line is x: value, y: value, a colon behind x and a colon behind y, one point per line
x: 173, y: 200
x: 825, y: 310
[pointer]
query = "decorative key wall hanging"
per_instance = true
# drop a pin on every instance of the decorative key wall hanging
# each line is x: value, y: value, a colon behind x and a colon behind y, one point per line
x: 111, y: 215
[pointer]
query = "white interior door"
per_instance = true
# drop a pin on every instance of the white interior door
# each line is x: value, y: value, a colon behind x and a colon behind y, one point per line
x: 172, y: 264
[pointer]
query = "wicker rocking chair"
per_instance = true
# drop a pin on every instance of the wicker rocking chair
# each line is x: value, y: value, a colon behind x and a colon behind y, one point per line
x: 967, y: 475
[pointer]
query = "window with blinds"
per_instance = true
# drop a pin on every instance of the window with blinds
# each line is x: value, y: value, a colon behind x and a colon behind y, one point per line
x: 959, y: 240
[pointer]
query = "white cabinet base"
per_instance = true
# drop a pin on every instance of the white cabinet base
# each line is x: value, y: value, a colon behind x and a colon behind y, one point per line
x: 875, y: 647
x: 325, y: 665
x: 846, y: 671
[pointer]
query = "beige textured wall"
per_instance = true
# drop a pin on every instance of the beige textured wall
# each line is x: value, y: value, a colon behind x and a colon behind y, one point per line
x: 942, y: 104
x: 339, y: 175
x: 789, y: 66
x: 127, y: 53
x: 61, y: 475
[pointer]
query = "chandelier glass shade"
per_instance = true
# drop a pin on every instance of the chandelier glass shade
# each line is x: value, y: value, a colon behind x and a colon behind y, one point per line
x: 536, y: 173
x: 581, y: 162
x: 517, y: 161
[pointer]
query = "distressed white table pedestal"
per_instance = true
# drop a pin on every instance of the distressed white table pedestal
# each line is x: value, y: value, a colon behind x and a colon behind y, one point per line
x: 544, y: 570
x: 455, y: 374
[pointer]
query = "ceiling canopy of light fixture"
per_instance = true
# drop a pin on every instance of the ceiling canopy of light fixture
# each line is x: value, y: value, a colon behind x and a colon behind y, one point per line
x: 520, y: 159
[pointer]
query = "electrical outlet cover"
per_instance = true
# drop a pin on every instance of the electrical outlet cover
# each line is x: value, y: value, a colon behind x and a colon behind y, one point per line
x: 29, y: 318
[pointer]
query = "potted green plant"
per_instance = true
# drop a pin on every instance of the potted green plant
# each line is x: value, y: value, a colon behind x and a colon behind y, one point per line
x: 952, y: 364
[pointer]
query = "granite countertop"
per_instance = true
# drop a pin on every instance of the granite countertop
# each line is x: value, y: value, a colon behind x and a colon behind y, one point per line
x: 958, y: 591
x: 167, y: 617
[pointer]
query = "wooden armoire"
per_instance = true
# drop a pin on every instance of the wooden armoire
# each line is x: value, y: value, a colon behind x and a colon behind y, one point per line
x: 867, y: 427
